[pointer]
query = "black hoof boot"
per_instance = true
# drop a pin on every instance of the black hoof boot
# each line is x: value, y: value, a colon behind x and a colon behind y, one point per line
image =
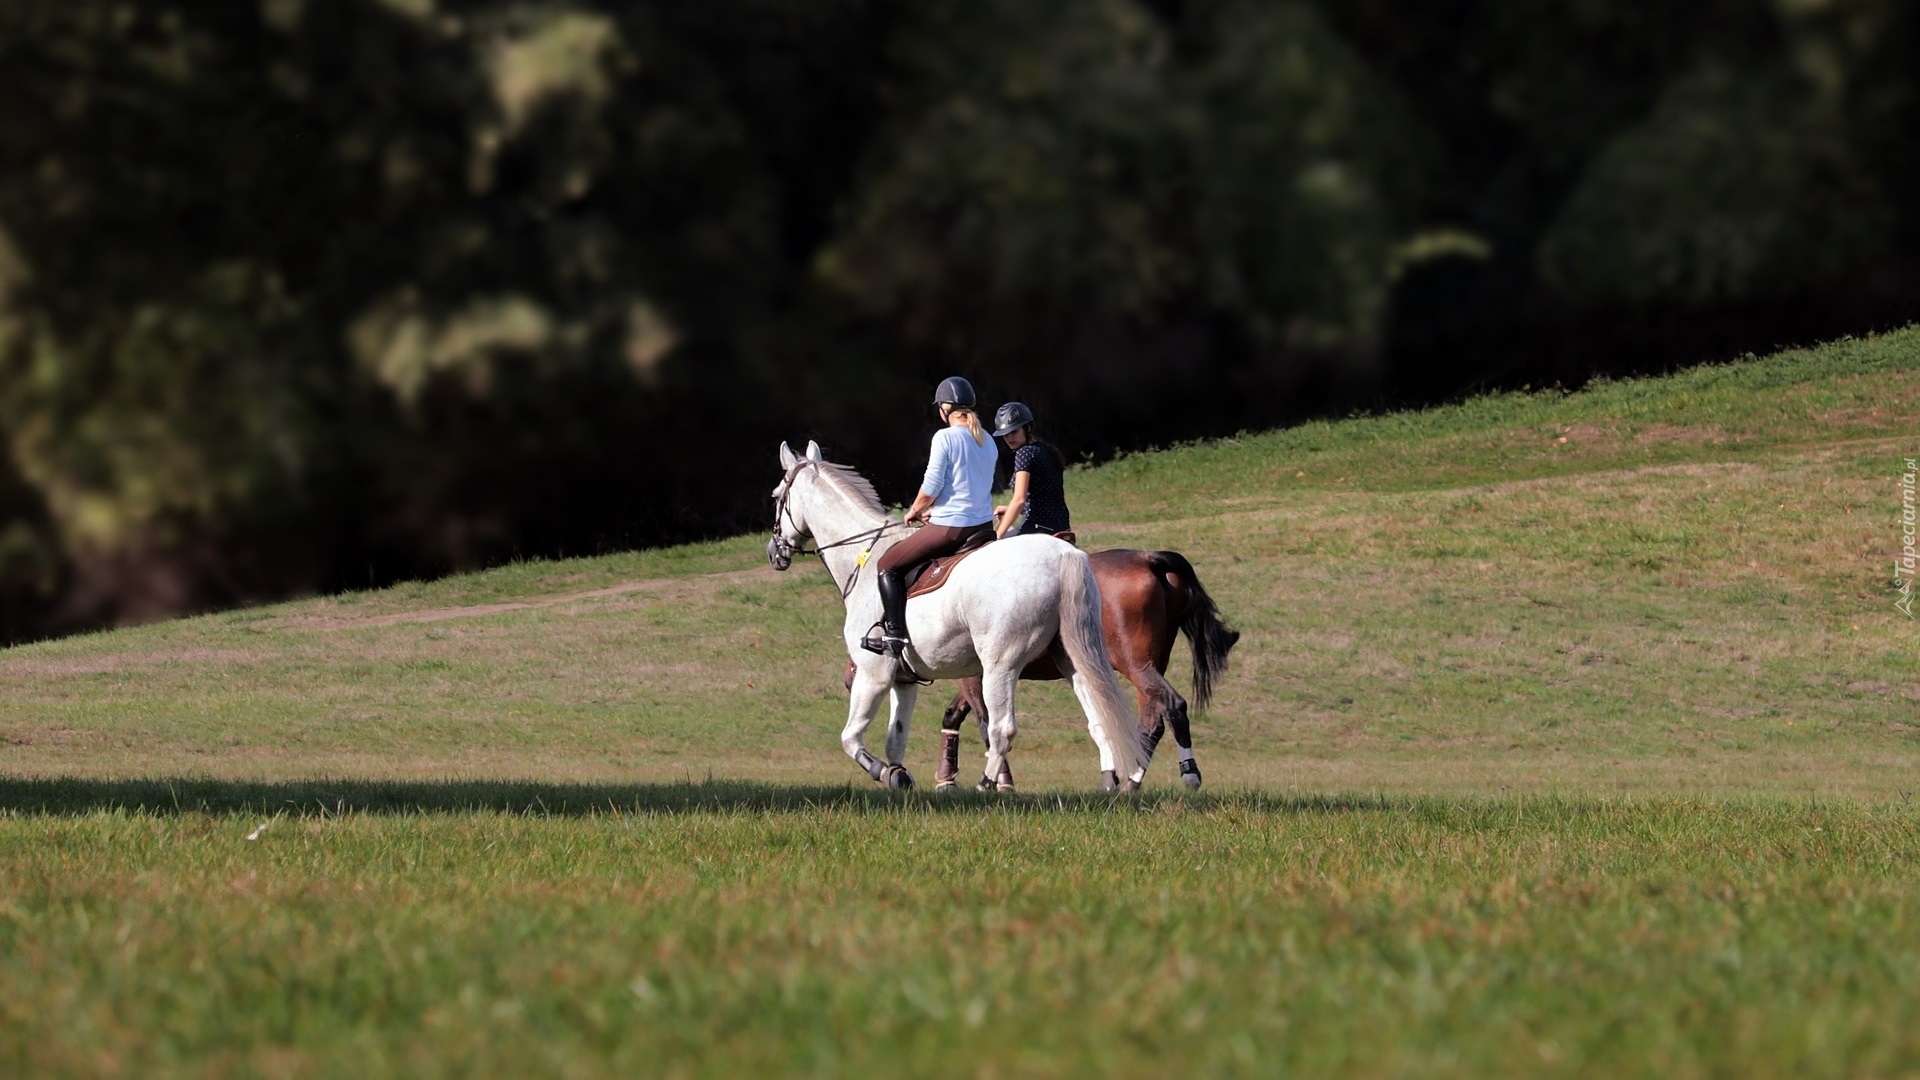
x: 986, y: 784
x: 1190, y: 773
x: 898, y: 778
x: 1109, y: 780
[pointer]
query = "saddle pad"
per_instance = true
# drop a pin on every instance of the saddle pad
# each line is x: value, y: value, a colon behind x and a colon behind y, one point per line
x: 934, y: 574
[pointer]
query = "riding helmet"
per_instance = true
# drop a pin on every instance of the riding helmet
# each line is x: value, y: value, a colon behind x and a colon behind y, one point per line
x: 955, y: 391
x: 1011, y: 417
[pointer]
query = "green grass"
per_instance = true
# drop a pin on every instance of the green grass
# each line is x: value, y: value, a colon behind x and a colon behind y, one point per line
x: 728, y: 930
x: 1570, y: 735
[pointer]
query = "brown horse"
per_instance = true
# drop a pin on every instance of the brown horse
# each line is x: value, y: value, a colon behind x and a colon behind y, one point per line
x: 1146, y: 599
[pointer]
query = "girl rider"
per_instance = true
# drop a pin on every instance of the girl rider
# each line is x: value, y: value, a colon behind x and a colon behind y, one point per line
x: 956, y: 498
x: 1038, y: 486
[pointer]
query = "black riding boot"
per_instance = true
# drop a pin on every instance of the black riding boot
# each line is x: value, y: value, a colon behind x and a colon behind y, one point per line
x: 893, y: 624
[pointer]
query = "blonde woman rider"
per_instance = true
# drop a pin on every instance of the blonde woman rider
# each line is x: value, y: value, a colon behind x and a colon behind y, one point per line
x: 955, y: 499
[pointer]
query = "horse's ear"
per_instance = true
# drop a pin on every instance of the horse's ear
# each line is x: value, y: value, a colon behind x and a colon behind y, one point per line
x: 786, y: 456
x: 813, y: 451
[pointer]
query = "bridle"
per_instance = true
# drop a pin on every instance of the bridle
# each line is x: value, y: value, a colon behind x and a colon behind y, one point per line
x: 780, y: 550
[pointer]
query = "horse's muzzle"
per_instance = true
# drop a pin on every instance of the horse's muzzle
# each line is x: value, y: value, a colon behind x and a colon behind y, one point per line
x: 779, y: 554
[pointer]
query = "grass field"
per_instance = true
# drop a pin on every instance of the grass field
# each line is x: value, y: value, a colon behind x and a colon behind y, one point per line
x: 1570, y: 735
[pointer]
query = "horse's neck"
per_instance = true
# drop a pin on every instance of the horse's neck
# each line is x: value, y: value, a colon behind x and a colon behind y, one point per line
x: 840, y: 520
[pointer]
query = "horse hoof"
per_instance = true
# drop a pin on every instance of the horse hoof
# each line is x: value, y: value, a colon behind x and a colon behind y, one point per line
x: 986, y: 784
x: 1109, y: 780
x: 945, y: 785
x: 898, y: 778
x: 1190, y: 774
x: 1130, y: 786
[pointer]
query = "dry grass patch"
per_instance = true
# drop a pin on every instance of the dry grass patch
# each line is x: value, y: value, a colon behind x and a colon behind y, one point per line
x: 25, y: 667
x: 673, y: 589
x: 44, y: 735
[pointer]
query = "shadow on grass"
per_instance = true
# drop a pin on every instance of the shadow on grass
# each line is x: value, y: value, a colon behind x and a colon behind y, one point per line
x: 66, y: 796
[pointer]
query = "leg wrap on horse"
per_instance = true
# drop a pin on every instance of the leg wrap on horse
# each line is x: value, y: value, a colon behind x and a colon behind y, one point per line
x: 1190, y: 772
x: 947, y: 773
x: 1001, y: 783
x: 874, y: 766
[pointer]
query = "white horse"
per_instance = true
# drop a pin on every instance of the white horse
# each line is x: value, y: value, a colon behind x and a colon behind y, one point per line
x: 1005, y: 606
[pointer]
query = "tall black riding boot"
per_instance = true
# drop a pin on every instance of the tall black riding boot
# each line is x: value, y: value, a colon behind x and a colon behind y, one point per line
x: 893, y: 624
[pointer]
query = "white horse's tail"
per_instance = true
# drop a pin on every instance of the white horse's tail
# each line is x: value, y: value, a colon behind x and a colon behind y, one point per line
x: 1087, y: 647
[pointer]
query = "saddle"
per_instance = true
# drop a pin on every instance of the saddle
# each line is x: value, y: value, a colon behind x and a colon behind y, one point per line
x: 930, y: 575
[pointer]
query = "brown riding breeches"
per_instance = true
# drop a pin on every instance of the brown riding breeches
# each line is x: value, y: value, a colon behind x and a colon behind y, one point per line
x: 927, y: 543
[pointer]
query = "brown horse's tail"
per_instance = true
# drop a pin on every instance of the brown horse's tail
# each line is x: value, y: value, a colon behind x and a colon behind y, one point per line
x: 1209, y: 638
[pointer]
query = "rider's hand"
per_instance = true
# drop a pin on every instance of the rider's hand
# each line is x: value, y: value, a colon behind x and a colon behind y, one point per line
x: 915, y: 517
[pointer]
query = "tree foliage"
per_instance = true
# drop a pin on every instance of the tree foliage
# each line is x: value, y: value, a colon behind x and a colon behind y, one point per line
x: 296, y: 295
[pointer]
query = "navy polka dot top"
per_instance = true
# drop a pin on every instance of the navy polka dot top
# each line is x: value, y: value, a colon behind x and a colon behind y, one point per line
x: 1046, y: 489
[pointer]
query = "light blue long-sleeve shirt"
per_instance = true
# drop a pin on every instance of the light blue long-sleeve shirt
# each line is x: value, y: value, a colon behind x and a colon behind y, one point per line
x: 960, y: 478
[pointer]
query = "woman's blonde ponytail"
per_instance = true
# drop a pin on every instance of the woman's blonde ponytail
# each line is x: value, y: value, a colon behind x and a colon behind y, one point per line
x: 973, y: 425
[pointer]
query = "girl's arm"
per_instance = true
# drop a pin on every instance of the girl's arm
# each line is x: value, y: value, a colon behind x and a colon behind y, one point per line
x: 921, y: 504
x: 934, y: 483
x: 1015, y: 505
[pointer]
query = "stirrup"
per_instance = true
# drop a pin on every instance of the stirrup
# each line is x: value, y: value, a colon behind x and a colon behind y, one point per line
x: 886, y: 646
x: 876, y: 642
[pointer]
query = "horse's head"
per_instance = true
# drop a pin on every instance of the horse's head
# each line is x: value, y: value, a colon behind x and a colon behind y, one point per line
x: 790, y: 531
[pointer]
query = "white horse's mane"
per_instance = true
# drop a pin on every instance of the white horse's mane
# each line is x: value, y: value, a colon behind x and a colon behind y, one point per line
x: 850, y: 483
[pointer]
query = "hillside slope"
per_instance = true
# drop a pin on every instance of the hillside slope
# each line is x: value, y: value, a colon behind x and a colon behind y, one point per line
x: 1676, y: 584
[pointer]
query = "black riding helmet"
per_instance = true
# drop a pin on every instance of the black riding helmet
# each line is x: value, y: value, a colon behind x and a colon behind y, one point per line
x: 954, y: 391
x: 1012, y: 417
